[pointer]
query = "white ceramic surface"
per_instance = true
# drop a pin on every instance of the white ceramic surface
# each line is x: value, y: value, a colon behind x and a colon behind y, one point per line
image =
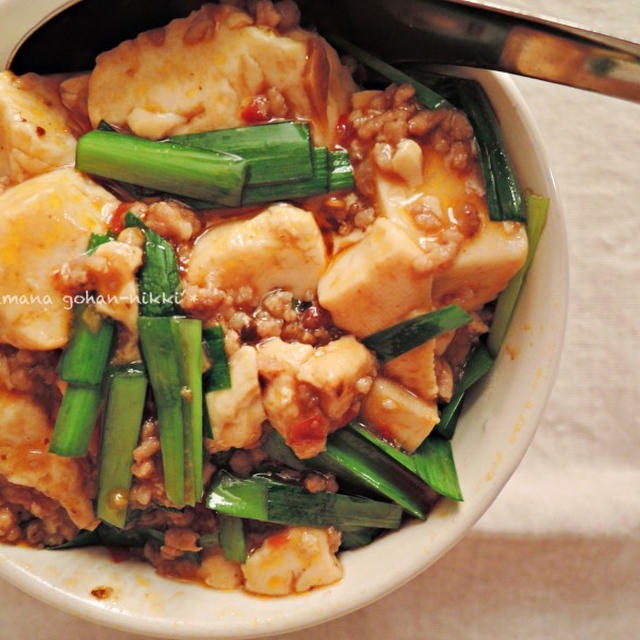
x: 493, y: 434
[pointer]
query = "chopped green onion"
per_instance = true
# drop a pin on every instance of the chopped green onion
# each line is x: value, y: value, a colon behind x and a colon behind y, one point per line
x: 206, y: 423
x: 84, y: 538
x: 426, y: 96
x: 126, y: 393
x: 281, y: 165
x: 159, y: 277
x: 318, y: 183
x: 162, y: 357
x: 106, y: 535
x: 358, y: 463
x: 187, y: 333
x: 260, y: 498
x: 403, y: 458
x: 332, y: 171
x: 85, y: 358
x: 326, y: 509
x: 76, y: 420
x: 136, y: 537
x: 490, y: 179
x: 478, y: 365
x: 432, y: 461
x: 232, y: 540
x: 340, y: 171
x: 218, y: 376
x: 537, y: 208
x: 435, y: 465
x: 274, y: 152
x: 493, y: 152
x: 233, y: 496
x: 82, y: 366
x: 404, y: 336
x: 209, y: 540
x: 361, y: 467
x: 165, y: 166
x: 355, y: 538
x: 173, y: 353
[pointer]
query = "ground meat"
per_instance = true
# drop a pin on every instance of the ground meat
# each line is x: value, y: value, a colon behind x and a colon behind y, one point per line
x: 198, y: 519
x: 342, y: 213
x: 231, y: 342
x: 28, y: 515
x: 241, y: 463
x: 32, y: 372
x: 467, y: 219
x: 427, y: 213
x: 440, y: 250
x: 206, y: 302
x: 172, y: 221
x: 278, y: 314
x: 382, y: 121
x: 82, y: 273
x: 27, y: 371
x: 127, y: 347
x: 319, y: 482
x: 177, y: 540
x: 283, y: 15
x: 148, y: 480
x: 183, y: 567
x: 10, y: 530
x: 215, y: 305
x: 179, y: 554
x: 143, y: 455
x: 112, y: 265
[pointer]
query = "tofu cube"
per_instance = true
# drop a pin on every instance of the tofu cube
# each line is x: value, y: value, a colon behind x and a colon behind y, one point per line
x: 483, y: 267
x: 372, y: 284
x: 397, y: 415
x: 282, y: 247
x: 292, y: 561
x: 44, y: 222
x: 36, y: 131
x: 236, y: 414
x: 415, y: 369
x: 335, y: 371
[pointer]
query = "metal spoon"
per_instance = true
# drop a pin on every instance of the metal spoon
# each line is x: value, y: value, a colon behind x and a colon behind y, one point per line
x: 461, y: 32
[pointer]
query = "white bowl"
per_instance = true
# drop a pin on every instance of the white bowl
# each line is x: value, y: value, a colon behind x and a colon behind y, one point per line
x: 492, y: 437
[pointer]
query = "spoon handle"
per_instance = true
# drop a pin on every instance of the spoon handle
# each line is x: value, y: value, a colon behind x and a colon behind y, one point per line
x: 481, y: 34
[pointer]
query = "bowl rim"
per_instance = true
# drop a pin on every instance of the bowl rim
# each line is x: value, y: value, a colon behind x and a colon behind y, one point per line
x: 64, y: 599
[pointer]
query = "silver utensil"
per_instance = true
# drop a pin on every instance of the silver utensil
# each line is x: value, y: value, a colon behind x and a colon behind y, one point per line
x: 461, y: 32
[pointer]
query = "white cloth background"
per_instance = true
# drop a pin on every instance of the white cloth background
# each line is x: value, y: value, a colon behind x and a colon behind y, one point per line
x: 558, y: 554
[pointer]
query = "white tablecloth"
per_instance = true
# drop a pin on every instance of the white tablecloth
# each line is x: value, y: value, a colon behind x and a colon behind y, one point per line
x: 558, y: 554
